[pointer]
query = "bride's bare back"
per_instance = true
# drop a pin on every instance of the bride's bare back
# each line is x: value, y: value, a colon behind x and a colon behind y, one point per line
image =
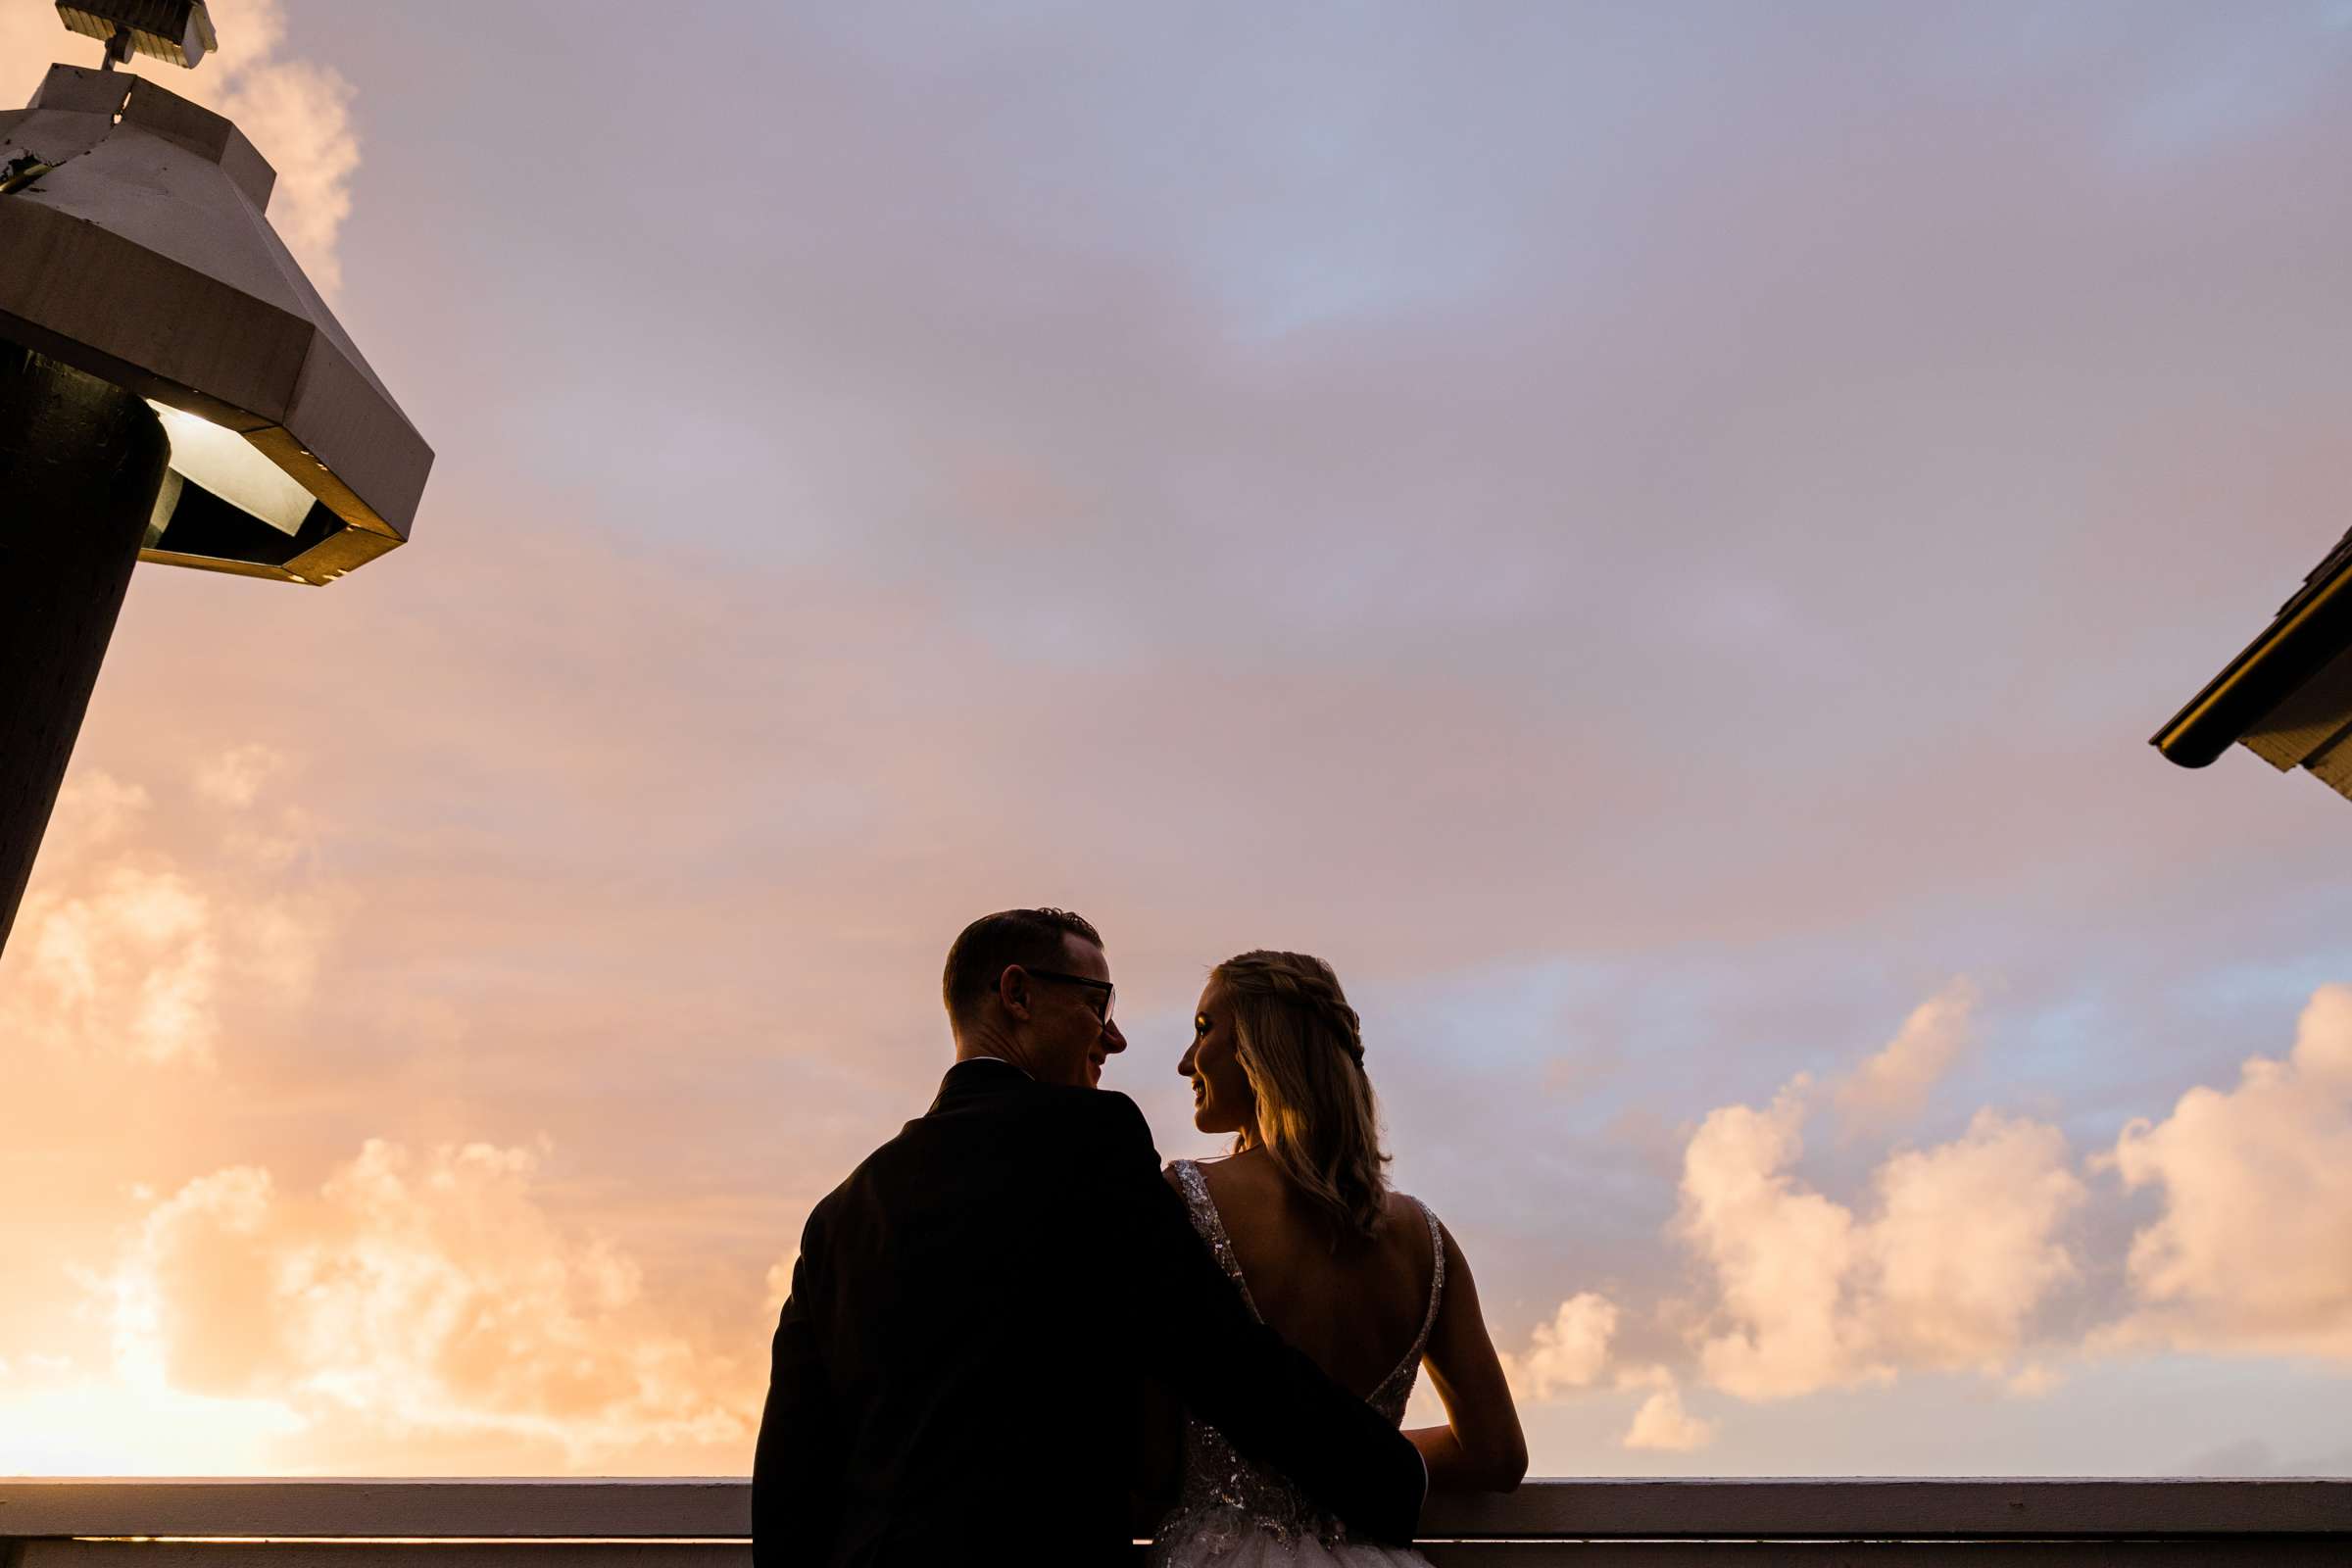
x: 1357, y: 1306
x: 1355, y: 1309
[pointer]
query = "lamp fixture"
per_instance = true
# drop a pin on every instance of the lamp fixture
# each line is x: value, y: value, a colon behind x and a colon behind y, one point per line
x: 133, y: 247
x: 174, y: 30
x: 172, y: 388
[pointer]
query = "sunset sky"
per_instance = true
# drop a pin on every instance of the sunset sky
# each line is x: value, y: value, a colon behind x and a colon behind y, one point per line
x: 1652, y: 536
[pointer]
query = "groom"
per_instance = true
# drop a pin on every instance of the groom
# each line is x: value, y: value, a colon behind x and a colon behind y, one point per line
x: 961, y: 1368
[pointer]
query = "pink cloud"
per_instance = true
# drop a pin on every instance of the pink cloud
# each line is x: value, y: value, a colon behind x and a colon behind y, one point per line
x: 2251, y: 1254
x: 422, y: 1302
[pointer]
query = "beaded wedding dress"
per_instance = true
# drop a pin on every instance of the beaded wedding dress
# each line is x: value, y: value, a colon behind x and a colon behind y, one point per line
x: 1231, y: 1513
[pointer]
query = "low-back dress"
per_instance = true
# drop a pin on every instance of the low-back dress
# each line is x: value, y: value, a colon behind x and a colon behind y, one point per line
x: 1235, y: 1515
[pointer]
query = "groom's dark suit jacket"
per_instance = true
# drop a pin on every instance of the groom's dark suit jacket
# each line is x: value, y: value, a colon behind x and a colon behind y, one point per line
x: 961, y: 1368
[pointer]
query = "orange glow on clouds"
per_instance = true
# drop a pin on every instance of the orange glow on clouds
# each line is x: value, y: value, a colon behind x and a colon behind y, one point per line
x: 1614, y: 569
x: 430, y: 1308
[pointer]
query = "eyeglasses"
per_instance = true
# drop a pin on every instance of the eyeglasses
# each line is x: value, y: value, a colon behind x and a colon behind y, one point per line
x: 1109, y: 991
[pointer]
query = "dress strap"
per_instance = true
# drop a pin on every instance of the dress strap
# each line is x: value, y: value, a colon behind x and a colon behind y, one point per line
x: 1436, y: 1292
x: 1437, y: 1275
x: 1211, y: 1227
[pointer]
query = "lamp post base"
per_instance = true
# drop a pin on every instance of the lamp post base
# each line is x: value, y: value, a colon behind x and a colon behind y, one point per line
x: 80, y: 463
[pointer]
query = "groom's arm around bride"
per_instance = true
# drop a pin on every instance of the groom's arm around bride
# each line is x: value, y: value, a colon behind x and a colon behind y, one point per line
x: 1269, y: 1400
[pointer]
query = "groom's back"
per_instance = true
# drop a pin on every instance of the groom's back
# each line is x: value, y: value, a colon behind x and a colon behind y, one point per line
x: 959, y: 1299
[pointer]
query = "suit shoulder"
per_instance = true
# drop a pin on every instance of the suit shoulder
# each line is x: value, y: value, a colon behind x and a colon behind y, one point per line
x: 826, y: 1208
x: 1116, y: 1119
x: 855, y: 1189
x: 1098, y: 1114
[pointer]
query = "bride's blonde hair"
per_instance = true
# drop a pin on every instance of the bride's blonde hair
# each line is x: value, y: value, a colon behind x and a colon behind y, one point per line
x: 1301, y: 1047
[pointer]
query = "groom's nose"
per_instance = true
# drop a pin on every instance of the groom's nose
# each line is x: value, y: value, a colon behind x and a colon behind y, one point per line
x: 1114, y: 1042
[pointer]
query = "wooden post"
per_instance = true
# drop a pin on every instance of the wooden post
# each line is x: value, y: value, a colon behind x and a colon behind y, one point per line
x: 80, y: 463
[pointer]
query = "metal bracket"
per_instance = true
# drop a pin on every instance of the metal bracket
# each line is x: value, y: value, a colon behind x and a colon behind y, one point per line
x: 15, y: 175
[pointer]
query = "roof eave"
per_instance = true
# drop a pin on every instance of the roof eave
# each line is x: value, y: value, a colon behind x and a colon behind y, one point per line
x: 2315, y: 627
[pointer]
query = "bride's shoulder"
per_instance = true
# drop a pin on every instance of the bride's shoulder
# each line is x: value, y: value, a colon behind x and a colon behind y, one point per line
x: 1396, y: 1205
x: 1182, y: 1173
x: 1409, y: 1223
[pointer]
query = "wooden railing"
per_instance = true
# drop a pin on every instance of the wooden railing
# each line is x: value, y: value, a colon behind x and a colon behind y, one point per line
x: 1640, y: 1523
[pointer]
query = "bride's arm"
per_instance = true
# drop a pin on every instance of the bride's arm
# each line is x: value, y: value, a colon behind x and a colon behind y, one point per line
x: 1481, y: 1448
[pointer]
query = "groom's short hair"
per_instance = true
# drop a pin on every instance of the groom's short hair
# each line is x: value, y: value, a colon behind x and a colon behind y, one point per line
x: 1035, y: 939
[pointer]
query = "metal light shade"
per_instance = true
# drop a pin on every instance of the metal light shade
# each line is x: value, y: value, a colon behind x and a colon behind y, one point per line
x: 176, y: 30
x: 133, y: 247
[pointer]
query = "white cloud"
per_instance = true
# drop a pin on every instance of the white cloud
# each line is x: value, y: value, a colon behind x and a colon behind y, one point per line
x: 93, y: 813
x: 298, y: 113
x: 1960, y: 1248
x: 2253, y: 1250
x: 123, y: 949
x: 1964, y: 1242
x: 1662, y: 1425
x: 1782, y: 1257
x: 1893, y: 1084
x: 199, y: 1261
x: 129, y: 963
x: 237, y: 777
x: 418, y: 1297
x: 1566, y: 1353
x: 1571, y: 1353
x: 2034, y: 1380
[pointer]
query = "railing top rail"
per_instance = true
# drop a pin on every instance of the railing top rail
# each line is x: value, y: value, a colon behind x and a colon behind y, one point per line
x: 719, y: 1507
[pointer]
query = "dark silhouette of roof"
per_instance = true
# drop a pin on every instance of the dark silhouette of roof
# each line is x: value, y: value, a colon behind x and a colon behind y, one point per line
x: 2287, y: 698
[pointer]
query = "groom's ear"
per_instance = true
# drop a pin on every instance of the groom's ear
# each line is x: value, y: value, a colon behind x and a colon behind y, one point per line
x: 1012, y: 991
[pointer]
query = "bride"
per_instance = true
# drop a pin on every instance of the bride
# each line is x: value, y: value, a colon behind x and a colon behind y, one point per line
x: 1362, y: 1279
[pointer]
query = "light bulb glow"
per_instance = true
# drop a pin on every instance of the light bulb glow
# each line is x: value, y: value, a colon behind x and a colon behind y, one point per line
x: 224, y: 463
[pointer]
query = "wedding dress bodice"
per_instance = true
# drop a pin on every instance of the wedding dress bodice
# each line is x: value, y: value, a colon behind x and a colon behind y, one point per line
x: 1234, y: 1514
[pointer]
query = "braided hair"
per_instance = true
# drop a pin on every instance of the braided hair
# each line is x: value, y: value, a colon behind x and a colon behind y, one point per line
x: 1302, y: 1047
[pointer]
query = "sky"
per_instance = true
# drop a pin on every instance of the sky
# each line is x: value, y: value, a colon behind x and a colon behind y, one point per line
x: 1651, y: 536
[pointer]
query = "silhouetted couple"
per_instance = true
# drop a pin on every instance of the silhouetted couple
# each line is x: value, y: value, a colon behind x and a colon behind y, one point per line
x: 1012, y: 1336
